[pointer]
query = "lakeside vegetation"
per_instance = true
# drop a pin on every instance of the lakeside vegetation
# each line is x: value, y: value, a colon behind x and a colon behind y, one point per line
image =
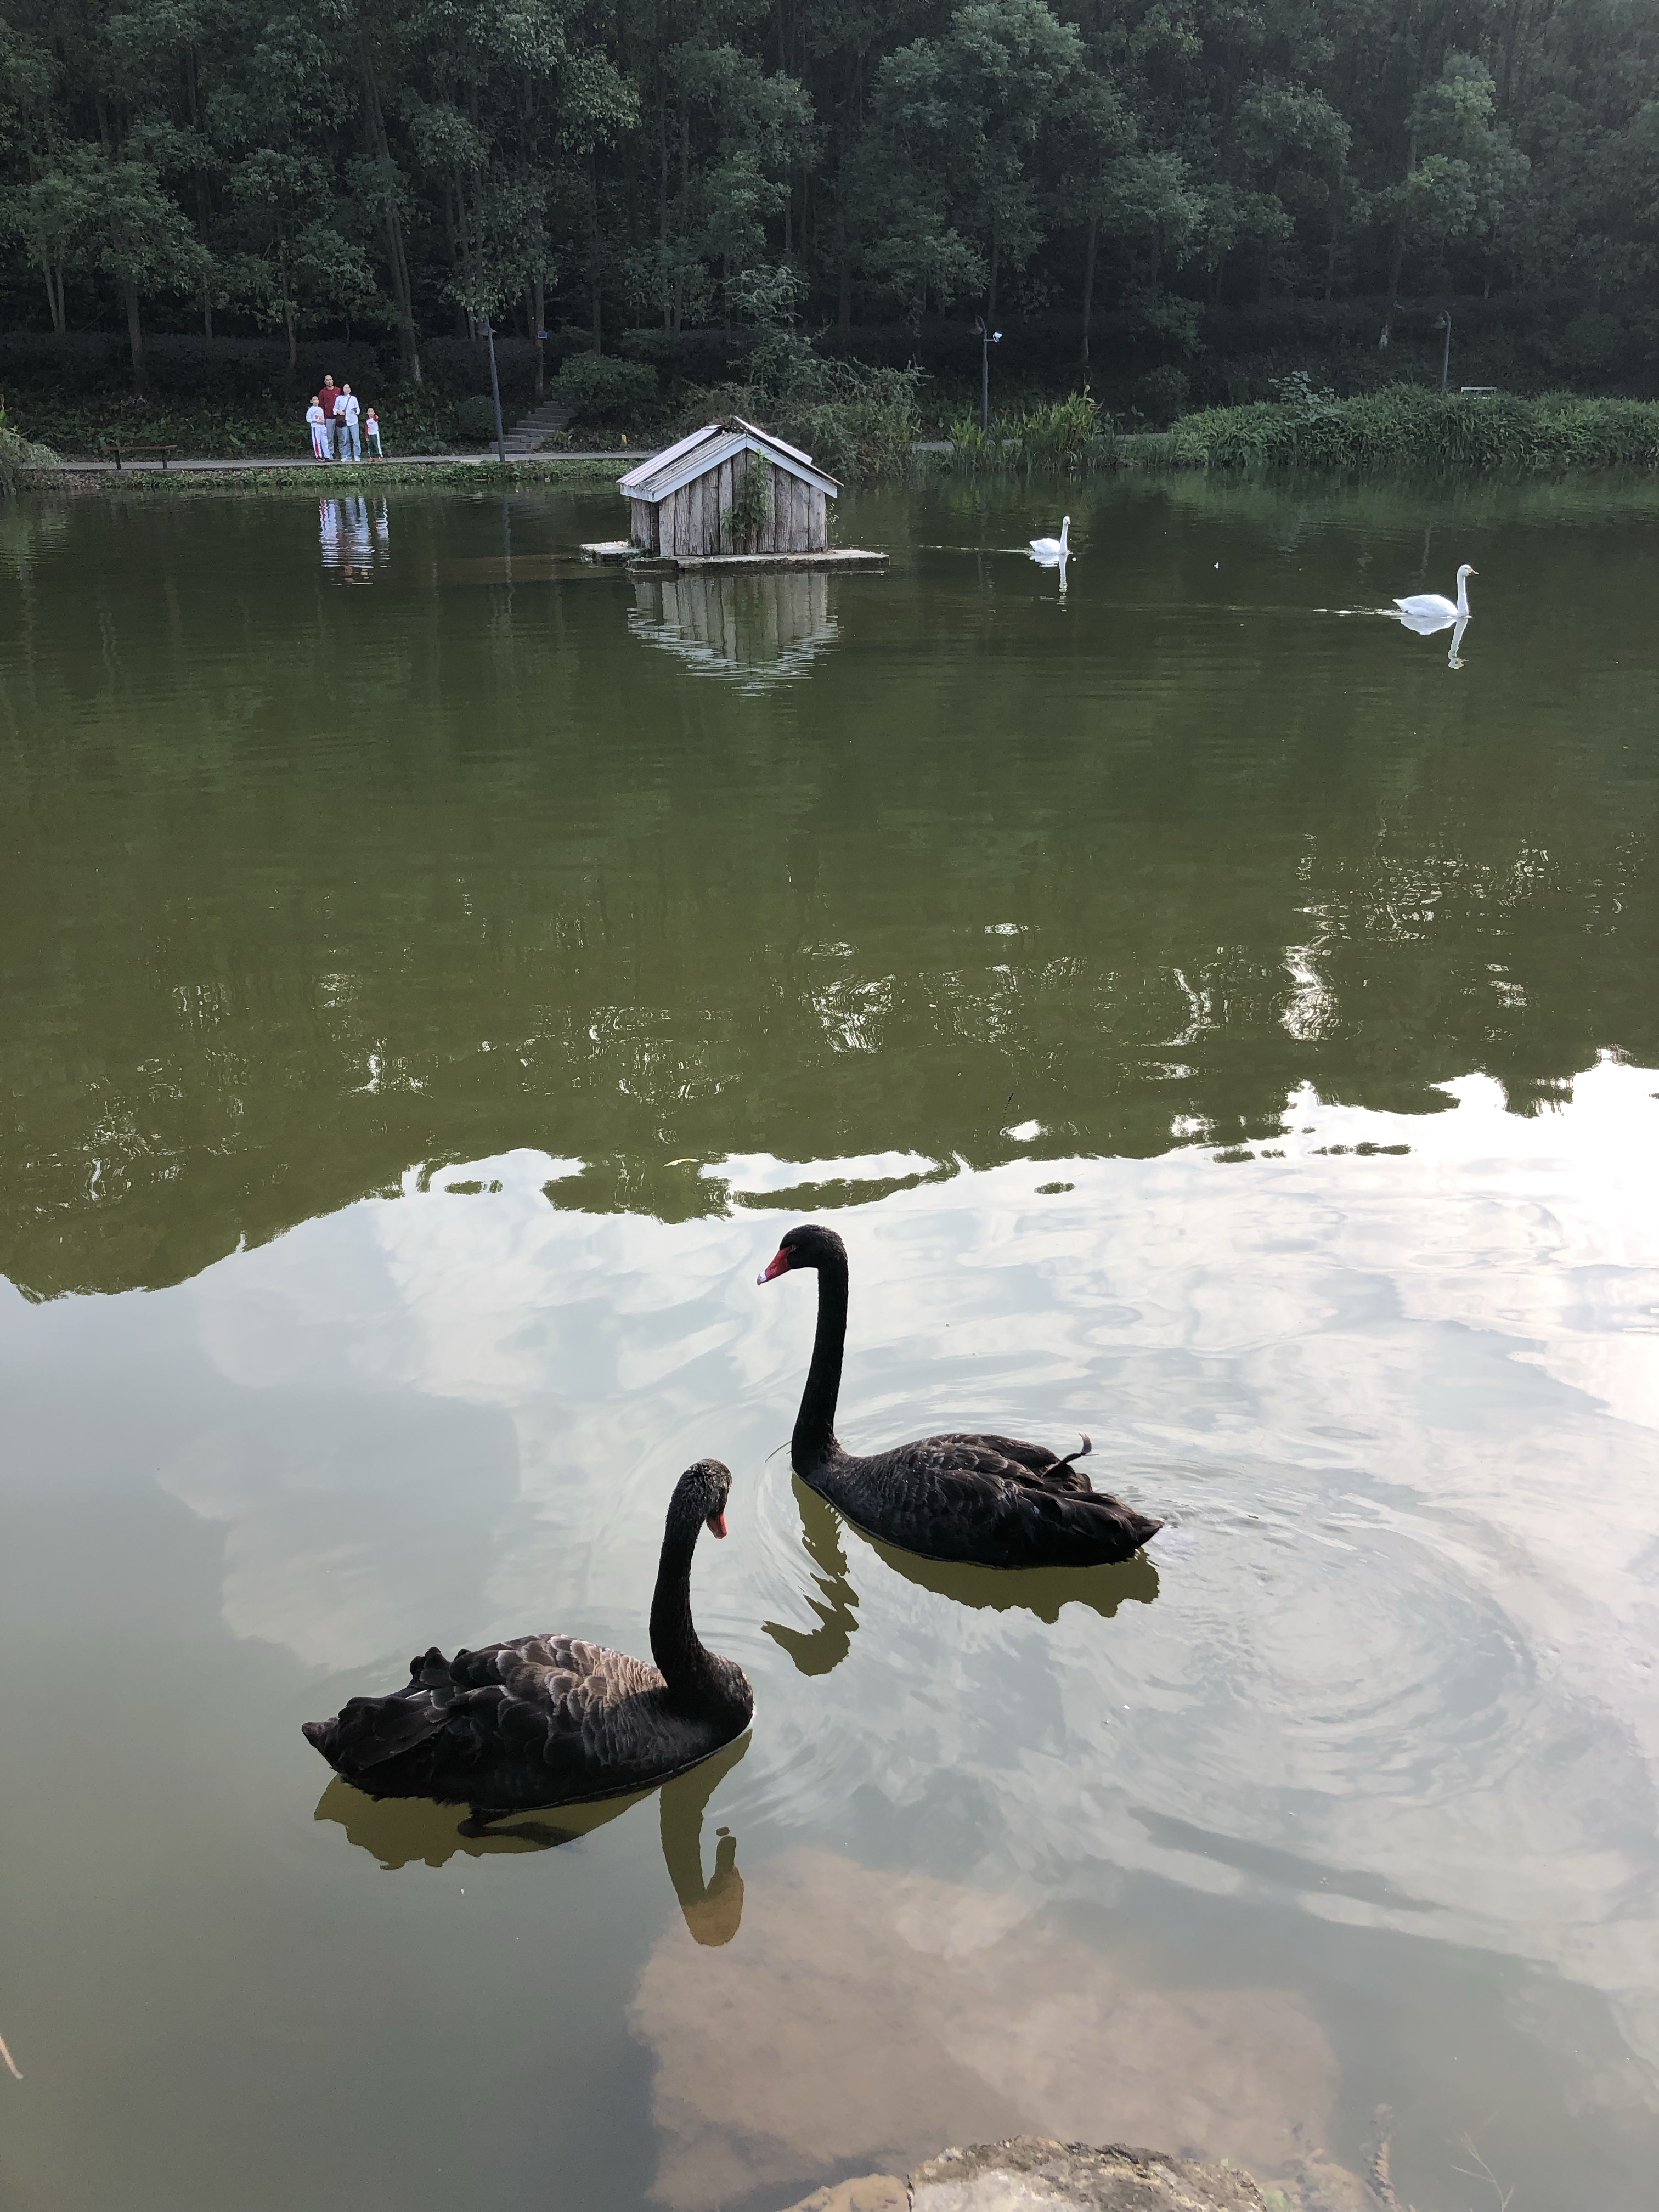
x: 18, y: 456
x: 1178, y: 201
x: 1407, y: 428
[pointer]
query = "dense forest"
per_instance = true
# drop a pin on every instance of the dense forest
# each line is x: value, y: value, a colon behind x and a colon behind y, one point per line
x: 626, y: 174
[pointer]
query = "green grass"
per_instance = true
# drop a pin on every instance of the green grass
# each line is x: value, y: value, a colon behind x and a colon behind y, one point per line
x: 1405, y: 426
x: 332, y: 481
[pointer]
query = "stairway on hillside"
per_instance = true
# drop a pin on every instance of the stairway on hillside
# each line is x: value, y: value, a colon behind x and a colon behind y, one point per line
x: 526, y: 436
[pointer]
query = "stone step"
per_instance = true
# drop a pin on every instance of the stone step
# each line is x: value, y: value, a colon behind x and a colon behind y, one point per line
x: 541, y: 422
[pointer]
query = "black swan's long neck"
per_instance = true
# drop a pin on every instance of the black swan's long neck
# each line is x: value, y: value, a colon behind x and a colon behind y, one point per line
x: 690, y: 1670
x: 815, y: 1425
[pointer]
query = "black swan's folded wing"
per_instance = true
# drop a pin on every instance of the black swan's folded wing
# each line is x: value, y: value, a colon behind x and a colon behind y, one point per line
x: 1016, y: 1460
x: 1041, y: 1527
x: 367, y: 1732
x: 555, y: 1698
x: 960, y: 1497
x: 552, y: 1702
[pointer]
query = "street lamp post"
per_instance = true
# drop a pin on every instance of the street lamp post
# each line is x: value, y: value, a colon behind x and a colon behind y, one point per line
x: 987, y: 338
x: 488, y: 328
x: 1444, y: 324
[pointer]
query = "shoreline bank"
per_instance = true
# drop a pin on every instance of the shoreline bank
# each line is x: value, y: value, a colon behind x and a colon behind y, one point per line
x: 474, y: 471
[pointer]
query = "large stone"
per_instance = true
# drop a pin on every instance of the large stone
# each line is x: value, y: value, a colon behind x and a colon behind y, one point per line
x: 868, y: 2193
x: 1032, y: 2173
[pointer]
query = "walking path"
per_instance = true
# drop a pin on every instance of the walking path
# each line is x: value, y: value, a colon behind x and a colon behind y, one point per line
x: 320, y: 469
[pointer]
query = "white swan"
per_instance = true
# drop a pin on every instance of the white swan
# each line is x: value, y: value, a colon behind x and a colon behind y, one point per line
x: 1431, y: 610
x: 1050, y: 549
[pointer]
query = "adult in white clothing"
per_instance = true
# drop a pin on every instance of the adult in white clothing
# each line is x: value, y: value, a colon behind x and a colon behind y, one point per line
x: 347, y: 410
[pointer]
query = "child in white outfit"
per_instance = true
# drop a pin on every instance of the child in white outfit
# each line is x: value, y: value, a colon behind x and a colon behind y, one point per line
x: 372, y: 435
x: 317, y: 419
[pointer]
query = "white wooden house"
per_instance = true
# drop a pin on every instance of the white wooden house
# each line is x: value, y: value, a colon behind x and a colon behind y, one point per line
x: 682, y: 500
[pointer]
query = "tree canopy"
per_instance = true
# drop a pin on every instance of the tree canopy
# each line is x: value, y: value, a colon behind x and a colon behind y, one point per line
x: 406, y: 168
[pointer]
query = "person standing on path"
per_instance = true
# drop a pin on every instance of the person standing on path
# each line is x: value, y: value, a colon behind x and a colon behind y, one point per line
x: 347, y: 409
x: 319, y: 423
x: 328, y: 400
x: 372, y: 435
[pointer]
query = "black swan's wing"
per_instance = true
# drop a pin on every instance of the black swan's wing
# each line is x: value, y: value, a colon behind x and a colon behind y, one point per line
x: 555, y: 1698
x: 962, y: 1497
x: 547, y: 1708
x: 1020, y: 1462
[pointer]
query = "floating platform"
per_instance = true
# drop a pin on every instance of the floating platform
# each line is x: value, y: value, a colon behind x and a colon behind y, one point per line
x: 836, y: 556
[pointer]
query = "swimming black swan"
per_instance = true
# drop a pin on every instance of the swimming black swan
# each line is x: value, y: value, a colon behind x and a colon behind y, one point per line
x: 991, y: 1499
x: 546, y: 1720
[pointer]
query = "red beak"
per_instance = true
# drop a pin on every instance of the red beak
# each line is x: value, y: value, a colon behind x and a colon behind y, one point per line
x: 717, y: 1524
x: 777, y: 1265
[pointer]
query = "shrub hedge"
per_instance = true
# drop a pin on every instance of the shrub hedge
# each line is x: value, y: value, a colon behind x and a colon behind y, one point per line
x: 1404, y: 424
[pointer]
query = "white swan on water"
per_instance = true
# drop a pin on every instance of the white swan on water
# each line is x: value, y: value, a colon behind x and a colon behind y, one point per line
x: 1431, y: 610
x: 1050, y: 549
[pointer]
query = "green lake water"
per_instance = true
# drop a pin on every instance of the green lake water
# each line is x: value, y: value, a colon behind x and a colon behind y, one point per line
x: 433, y: 972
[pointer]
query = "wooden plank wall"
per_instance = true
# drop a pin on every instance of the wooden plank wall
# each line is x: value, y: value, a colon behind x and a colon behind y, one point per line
x: 728, y: 489
x: 697, y: 518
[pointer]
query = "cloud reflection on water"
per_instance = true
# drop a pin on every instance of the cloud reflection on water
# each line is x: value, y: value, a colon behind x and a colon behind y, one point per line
x: 1400, y: 1407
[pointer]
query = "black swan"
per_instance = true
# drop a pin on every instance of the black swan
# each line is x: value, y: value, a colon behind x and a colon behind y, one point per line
x: 547, y: 1720
x: 991, y: 1500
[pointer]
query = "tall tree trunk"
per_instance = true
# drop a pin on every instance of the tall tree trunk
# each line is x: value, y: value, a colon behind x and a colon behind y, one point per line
x: 668, y: 303
x: 403, y: 294
x: 292, y: 347
x: 136, y: 340
x: 596, y: 248
x: 207, y: 310
x: 1089, y: 281
x: 538, y: 312
x: 1397, y: 256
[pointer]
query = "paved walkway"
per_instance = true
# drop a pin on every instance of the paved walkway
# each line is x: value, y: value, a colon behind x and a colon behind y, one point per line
x: 322, y: 468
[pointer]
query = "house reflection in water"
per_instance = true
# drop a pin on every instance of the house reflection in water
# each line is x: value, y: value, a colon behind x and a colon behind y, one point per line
x: 756, y: 627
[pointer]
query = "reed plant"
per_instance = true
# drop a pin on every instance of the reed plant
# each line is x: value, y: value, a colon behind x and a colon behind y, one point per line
x: 1406, y: 425
x: 1058, y: 438
x: 1061, y: 437
x: 18, y: 455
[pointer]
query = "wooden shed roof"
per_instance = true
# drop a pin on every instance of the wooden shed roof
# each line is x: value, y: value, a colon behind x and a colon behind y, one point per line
x: 667, y: 472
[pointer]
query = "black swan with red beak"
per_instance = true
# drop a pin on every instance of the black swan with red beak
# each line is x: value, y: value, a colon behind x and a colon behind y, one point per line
x: 990, y: 1499
x: 547, y: 1720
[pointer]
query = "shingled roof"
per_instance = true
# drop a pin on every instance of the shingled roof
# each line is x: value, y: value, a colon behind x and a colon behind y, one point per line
x: 666, y: 472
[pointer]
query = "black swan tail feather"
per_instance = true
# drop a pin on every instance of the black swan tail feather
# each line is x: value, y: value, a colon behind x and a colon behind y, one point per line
x: 1082, y: 1451
x: 367, y: 1732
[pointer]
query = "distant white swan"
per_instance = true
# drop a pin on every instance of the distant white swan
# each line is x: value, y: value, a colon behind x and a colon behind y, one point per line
x: 1050, y: 549
x: 1431, y: 610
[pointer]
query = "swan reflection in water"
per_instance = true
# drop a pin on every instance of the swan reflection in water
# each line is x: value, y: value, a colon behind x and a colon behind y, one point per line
x: 401, y: 1831
x: 1041, y: 1590
x: 1054, y: 552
